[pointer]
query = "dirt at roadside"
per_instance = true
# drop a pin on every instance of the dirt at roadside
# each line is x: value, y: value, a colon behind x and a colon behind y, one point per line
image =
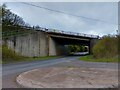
x: 69, y: 77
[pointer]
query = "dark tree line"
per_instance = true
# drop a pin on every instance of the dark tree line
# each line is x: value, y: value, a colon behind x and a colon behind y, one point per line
x: 0, y: 14
x: 9, y: 18
x: 77, y: 48
x: 12, y: 24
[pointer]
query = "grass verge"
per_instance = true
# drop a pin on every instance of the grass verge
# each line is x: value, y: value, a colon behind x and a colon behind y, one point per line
x: 90, y: 58
x: 9, y: 56
x: 27, y: 59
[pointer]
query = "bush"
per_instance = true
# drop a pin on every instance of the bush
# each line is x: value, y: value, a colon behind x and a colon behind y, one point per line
x: 76, y: 48
x: 8, y: 54
x: 106, y: 47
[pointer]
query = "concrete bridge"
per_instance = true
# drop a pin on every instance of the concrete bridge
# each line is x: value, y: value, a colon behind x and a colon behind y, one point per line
x: 48, y: 42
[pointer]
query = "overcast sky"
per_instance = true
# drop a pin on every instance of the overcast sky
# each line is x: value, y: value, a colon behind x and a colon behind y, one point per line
x: 107, y: 12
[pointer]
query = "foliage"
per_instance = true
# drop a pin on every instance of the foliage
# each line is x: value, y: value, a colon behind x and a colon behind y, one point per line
x: 0, y: 14
x: 106, y: 47
x: 9, y: 18
x: 9, y: 54
x: 76, y: 48
x: 90, y: 58
x: 12, y: 24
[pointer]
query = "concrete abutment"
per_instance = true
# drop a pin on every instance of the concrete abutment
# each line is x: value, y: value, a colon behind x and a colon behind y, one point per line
x: 38, y: 43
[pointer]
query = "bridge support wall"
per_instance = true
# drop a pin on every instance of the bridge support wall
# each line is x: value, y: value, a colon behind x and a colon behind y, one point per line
x: 91, y: 44
x: 55, y: 48
x: 38, y: 44
x: 35, y: 44
x: 52, y: 47
x: 30, y: 45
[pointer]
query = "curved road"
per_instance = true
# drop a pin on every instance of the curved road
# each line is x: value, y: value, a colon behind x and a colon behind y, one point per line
x: 10, y: 71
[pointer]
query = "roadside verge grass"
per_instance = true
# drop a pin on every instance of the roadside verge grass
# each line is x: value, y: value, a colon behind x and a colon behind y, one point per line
x: 90, y: 58
x: 28, y: 59
x: 9, y: 56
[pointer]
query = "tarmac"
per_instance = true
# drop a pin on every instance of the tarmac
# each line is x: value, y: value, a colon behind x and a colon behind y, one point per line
x: 69, y: 77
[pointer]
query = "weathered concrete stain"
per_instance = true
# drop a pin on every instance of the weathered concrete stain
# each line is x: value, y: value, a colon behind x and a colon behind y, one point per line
x: 40, y: 43
x: 32, y: 45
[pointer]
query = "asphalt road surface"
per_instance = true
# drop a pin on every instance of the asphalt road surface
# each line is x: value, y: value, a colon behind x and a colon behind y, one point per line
x: 11, y: 71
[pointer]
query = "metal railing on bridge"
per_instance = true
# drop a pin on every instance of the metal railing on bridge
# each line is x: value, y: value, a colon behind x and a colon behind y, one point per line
x: 72, y: 33
x: 20, y: 32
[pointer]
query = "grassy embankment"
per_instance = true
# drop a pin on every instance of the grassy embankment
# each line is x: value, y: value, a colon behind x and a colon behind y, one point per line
x: 90, y: 58
x: 105, y: 50
x: 9, y: 56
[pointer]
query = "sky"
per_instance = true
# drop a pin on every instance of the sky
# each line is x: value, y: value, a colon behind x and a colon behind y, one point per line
x: 104, y: 11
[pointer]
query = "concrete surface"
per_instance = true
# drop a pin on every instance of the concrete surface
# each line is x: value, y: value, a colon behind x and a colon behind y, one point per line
x: 11, y: 71
x: 52, y: 47
x: 68, y: 78
x: 39, y: 43
x: 30, y: 45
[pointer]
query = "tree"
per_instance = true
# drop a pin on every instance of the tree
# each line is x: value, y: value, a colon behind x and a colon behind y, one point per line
x: 12, y: 24
x: 37, y: 27
x: 0, y: 14
x: 106, y: 47
x: 10, y: 19
x: 76, y: 48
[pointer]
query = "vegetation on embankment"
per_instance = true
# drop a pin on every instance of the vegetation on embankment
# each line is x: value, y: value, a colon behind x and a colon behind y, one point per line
x: 105, y: 50
x: 9, y: 56
x: 76, y: 48
x: 107, y: 47
x: 14, y: 25
x: 90, y: 58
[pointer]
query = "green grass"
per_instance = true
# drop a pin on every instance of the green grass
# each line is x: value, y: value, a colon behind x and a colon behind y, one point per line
x: 9, y: 56
x: 27, y: 59
x: 90, y: 58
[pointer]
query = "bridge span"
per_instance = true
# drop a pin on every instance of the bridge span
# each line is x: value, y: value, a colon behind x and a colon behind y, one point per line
x: 47, y: 42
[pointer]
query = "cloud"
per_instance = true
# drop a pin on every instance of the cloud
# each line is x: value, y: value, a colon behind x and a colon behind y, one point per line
x: 103, y: 11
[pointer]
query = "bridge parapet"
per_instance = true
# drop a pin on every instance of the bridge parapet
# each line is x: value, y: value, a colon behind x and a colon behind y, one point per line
x: 50, y: 31
x: 72, y: 33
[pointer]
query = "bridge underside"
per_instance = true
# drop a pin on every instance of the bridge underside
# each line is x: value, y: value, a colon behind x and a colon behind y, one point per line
x: 60, y: 41
x: 40, y: 43
x: 67, y: 41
